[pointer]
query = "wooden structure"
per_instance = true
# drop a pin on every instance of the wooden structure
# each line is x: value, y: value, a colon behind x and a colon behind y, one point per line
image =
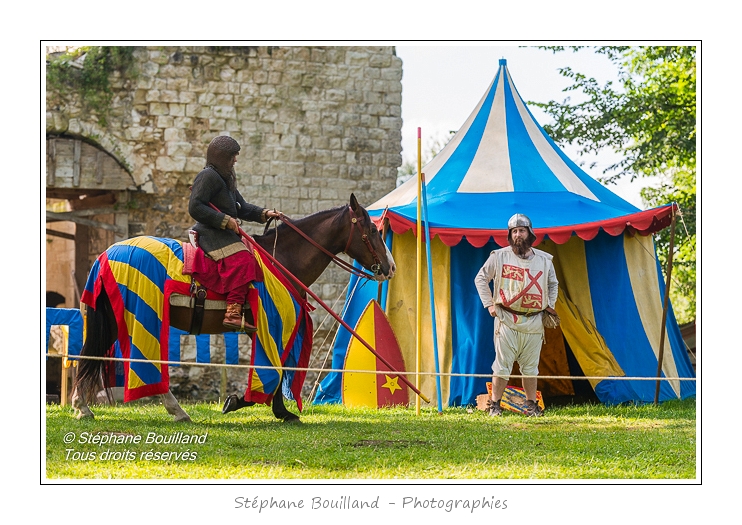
x: 87, y: 192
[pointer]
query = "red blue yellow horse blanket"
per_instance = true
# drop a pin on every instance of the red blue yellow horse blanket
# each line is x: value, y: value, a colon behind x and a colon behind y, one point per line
x: 139, y: 274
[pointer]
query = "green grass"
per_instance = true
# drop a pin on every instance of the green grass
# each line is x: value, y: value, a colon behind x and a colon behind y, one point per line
x: 632, y: 442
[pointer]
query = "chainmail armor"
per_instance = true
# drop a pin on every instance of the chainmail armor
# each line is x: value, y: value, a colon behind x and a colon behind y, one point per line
x: 218, y: 156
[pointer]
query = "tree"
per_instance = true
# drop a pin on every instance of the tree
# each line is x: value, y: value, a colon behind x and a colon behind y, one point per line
x: 650, y: 119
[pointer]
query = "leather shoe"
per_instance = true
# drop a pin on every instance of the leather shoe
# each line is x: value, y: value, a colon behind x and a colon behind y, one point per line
x: 234, y: 321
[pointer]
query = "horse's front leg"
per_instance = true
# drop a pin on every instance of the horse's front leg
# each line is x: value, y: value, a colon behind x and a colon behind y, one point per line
x: 81, y: 408
x: 279, y: 408
x: 173, y: 408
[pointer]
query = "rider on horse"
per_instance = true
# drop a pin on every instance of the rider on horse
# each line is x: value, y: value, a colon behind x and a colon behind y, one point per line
x: 225, y: 264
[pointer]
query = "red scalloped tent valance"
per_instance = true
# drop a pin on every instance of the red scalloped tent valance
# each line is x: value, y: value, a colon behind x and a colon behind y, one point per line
x: 643, y: 222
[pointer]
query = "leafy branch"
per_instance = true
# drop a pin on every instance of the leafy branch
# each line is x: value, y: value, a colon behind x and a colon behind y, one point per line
x: 87, y: 71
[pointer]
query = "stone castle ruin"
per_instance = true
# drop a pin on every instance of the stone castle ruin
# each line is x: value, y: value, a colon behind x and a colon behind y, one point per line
x: 314, y: 124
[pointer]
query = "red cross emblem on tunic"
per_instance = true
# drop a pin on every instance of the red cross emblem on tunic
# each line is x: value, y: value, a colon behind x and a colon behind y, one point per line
x: 535, y: 299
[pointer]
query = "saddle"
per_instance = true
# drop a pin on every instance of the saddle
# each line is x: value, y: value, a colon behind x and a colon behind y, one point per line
x: 194, y: 313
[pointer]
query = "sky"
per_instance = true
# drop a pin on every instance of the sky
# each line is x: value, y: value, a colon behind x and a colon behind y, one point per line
x: 442, y: 84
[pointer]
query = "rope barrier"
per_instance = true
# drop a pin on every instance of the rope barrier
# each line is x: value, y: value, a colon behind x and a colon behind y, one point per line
x: 329, y: 349
x: 310, y: 369
x: 327, y: 316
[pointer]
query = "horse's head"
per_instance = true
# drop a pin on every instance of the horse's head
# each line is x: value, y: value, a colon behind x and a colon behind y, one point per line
x: 365, y: 244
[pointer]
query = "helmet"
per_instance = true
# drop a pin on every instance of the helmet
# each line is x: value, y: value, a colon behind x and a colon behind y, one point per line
x: 520, y: 220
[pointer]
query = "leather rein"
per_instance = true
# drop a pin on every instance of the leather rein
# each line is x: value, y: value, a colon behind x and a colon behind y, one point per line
x: 355, y: 224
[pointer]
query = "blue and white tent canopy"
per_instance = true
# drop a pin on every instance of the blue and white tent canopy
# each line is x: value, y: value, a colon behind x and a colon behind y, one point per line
x: 501, y: 162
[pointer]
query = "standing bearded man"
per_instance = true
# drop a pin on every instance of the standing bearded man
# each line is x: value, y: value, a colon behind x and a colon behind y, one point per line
x: 225, y: 264
x: 525, y: 285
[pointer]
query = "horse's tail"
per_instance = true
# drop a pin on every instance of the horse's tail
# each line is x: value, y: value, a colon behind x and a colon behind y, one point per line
x: 94, y: 375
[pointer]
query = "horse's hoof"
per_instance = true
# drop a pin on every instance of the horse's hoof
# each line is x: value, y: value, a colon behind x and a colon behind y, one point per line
x: 230, y: 404
x: 233, y: 403
x: 291, y: 418
x: 84, y: 413
x: 185, y: 418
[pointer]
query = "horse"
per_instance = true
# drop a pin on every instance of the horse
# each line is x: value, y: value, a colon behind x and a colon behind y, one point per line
x: 302, y: 248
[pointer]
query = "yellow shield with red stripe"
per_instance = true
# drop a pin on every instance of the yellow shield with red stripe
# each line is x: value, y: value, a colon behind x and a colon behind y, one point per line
x: 367, y: 381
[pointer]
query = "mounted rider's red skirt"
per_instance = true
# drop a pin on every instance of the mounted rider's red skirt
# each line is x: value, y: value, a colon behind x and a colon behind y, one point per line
x: 229, y: 274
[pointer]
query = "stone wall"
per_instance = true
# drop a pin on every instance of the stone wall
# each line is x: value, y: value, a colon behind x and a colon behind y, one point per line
x: 314, y: 123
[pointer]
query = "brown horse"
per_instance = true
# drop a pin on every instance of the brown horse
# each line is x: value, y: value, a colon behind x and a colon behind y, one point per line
x: 304, y: 249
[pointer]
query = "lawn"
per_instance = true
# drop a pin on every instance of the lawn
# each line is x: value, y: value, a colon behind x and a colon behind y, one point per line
x: 139, y: 441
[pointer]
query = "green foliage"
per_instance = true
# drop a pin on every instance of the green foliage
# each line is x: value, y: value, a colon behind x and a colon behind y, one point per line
x: 87, y: 72
x: 678, y: 186
x: 650, y: 119
x: 336, y: 442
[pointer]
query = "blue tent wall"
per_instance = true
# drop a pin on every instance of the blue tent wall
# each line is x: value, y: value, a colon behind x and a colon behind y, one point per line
x: 678, y: 348
x: 617, y: 318
x: 613, y: 303
x: 472, y: 330
x: 620, y: 324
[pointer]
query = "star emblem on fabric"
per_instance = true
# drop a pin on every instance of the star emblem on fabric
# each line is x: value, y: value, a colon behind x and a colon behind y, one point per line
x: 392, y: 384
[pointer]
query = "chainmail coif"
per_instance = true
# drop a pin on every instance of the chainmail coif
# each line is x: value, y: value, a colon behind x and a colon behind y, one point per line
x: 218, y: 156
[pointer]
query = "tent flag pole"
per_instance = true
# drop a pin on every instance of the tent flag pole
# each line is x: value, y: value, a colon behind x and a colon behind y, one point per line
x: 665, y: 304
x: 418, y: 340
x: 432, y: 295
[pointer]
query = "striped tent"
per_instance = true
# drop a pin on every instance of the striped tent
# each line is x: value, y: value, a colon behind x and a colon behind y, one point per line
x: 499, y: 163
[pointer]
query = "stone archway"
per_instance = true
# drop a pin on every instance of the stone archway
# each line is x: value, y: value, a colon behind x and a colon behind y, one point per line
x: 87, y: 191
x: 86, y: 195
x: 119, y: 151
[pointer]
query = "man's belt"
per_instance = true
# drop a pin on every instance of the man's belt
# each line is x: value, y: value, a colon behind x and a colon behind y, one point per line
x: 526, y: 314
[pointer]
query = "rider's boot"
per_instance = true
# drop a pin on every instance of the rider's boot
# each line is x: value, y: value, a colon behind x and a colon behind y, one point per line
x: 234, y: 320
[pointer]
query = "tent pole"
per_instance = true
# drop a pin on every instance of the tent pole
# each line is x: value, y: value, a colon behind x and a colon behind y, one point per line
x: 432, y: 297
x: 418, y: 338
x: 665, y: 307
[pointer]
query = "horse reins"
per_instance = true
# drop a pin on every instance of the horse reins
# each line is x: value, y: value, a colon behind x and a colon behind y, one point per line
x: 376, y: 267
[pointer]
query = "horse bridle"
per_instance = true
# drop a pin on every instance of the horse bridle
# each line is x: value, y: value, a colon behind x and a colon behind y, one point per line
x: 375, y: 268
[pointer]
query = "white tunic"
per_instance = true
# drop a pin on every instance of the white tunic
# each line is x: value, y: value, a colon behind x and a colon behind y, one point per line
x: 523, y: 285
